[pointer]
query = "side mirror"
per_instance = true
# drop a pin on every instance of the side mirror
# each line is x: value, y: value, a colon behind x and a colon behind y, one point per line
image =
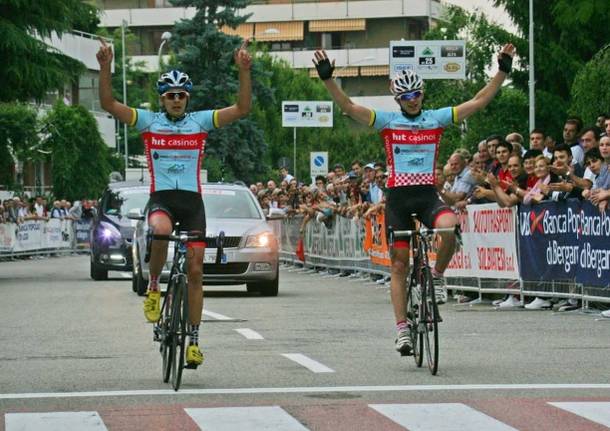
x: 135, y: 214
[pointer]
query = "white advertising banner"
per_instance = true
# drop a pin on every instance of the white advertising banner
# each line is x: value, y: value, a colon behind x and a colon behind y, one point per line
x: 315, y: 113
x: 431, y: 59
x: 36, y: 235
x: 7, y: 236
x: 489, y: 244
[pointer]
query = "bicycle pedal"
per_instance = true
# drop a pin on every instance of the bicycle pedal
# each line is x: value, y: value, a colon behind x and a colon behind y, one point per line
x: 191, y: 366
x: 406, y: 352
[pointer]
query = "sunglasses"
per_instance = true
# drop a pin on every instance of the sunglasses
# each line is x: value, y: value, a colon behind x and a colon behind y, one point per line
x: 177, y: 96
x: 409, y: 96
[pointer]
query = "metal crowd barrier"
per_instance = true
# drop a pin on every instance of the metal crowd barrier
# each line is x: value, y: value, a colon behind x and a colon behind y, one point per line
x: 338, y: 247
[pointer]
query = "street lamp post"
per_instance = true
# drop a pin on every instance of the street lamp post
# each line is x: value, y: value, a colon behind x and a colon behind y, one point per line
x: 532, y: 82
x: 123, y: 26
x: 164, y: 38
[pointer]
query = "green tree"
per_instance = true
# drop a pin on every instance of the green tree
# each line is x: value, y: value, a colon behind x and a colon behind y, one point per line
x: 206, y: 54
x: 509, y: 109
x: 590, y: 91
x: 81, y: 159
x: 18, y: 136
x: 567, y: 34
x: 30, y: 66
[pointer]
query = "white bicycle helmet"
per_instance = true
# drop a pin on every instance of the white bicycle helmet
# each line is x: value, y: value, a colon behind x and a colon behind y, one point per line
x: 174, y: 79
x: 406, y: 81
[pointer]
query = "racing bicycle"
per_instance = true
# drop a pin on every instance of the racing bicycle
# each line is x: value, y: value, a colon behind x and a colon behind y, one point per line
x: 422, y: 309
x: 171, y: 329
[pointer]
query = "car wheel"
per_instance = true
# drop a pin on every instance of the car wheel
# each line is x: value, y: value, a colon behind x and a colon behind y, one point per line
x: 267, y: 288
x: 97, y: 272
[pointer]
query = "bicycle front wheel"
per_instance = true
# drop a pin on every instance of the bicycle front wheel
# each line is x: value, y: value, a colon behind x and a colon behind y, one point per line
x: 165, y: 333
x: 414, y: 314
x: 430, y: 318
x: 179, y: 316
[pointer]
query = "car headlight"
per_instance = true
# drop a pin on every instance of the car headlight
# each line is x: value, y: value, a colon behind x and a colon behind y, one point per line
x: 108, y: 233
x: 264, y: 239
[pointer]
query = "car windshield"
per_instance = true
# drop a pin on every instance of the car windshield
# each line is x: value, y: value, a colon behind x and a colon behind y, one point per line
x: 229, y: 204
x: 119, y: 202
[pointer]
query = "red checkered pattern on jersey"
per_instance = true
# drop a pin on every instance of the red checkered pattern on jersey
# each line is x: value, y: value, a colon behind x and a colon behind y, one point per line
x: 406, y: 137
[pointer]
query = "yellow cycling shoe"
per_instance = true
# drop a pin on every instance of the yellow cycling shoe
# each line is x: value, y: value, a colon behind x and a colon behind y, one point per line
x: 194, y: 357
x: 152, y: 309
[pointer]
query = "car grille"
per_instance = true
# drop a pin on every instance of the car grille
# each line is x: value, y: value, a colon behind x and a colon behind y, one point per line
x: 226, y: 268
x: 229, y: 241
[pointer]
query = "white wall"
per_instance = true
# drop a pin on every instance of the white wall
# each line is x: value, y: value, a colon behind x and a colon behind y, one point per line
x: 107, y: 127
x: 281, y: 12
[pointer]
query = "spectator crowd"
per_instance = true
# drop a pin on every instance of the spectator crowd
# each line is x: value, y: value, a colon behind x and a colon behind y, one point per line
x: 19, y: 209
x: 508, y: 170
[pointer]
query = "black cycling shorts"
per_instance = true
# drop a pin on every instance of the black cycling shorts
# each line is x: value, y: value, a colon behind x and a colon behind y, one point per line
x: 181, y: 206
x: 401, y: 202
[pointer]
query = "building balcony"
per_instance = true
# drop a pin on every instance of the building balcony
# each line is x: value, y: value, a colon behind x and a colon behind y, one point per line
x: 344, y: 58
x: 271, y: 12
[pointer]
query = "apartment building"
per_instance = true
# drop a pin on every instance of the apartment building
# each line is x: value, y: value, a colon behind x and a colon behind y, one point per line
x: 356, y: 33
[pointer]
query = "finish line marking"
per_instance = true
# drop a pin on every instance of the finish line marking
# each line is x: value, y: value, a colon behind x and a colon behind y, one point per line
x: 301, y: 390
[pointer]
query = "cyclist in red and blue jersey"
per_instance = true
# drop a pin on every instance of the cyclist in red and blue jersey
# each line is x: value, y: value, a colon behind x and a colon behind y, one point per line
x: 174, y: 142
x: 411, y: 138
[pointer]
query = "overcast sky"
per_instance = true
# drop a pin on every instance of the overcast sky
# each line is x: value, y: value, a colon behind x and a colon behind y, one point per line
x: 497, y: 15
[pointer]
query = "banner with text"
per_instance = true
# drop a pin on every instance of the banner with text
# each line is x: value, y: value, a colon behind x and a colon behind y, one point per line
x: 489, y: 247
x: 567, y: 240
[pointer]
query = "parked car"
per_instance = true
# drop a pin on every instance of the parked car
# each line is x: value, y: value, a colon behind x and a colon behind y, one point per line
x: 251, y: 250
x: 112, y: 231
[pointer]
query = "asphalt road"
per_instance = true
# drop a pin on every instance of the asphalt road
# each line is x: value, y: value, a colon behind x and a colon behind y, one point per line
x: 323, y: 348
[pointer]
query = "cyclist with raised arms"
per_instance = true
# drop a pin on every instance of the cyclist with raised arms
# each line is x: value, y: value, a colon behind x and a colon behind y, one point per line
x: 174, y: 142
x: 411, y: 138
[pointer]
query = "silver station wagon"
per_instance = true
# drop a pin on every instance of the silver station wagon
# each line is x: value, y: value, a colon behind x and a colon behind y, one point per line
x: 250, y: 248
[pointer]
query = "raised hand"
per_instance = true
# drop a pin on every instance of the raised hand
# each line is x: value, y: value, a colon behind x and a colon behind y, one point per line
x: 242, y: 57
x: 505, y: 57
x: 104, y: 55
x: 323, y: 65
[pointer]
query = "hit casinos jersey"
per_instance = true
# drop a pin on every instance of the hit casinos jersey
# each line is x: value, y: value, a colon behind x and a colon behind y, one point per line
x: 174, y: 149
x: 411, y: 144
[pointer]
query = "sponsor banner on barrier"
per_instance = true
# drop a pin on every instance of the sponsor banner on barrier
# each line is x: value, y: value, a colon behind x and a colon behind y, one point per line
x: 82, y: 232
x: 489, y: 243
x: 7, y: 237
x: 340, y: 239
x: 32, y: 235
x: 375, y: 242
x: 565, y: 240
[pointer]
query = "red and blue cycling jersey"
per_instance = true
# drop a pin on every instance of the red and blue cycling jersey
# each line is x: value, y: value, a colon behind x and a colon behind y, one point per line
x: 174, y: 149
x: 411, y: 144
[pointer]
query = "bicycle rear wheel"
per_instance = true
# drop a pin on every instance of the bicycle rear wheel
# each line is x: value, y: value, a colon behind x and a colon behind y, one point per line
x: 430, y: 320
x: 179, y: 316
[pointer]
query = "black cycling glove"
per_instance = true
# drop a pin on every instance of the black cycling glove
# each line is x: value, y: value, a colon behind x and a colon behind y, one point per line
x: 325, y: 69
x: 505, y: 63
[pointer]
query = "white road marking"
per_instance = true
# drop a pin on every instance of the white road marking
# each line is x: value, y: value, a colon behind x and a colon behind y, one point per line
x: 308, y: 363
x: 594, y: 411
x: 216, y: 316
x: 244, y: 418
x: 54, y: 421
x: 304, y: 390
x: 250, y: 334
x: 440, y: 417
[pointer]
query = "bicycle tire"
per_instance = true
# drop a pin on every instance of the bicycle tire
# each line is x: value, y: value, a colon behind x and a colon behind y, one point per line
x: 179, y: 316
x: 430, y: 320
x: 165, y: 328
x: 417, y: 337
